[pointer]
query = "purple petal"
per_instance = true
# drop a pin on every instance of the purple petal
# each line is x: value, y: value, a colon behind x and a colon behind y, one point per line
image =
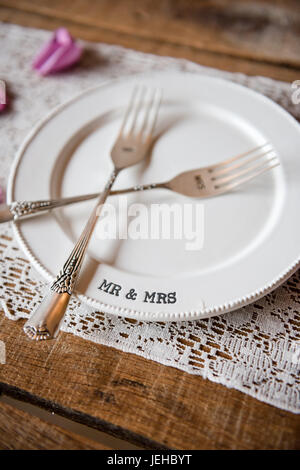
x: 45, y: 53
x: 58, y: 53
x: 68, y: 58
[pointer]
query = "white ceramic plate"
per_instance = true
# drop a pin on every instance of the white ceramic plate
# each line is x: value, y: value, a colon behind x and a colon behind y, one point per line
x: 251, y: 236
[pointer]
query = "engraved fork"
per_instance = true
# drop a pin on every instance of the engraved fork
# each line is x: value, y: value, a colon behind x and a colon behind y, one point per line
x: 219, y: 178
x: 201, y: 183
x: 130, y: 147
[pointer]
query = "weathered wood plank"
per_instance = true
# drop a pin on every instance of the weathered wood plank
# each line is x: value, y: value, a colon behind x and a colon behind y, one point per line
x: 199, y: 31
x: 136, y: 399
x: 230, y: 27
x: 21, y: 431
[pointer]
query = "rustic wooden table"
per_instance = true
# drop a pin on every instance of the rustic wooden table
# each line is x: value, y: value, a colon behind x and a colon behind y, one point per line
x: 122, y: 394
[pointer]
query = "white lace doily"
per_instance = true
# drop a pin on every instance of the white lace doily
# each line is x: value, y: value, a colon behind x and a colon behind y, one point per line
x: 255, y: 349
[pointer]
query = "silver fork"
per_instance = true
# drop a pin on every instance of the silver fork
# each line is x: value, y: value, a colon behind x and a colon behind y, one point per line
x: 219, y: 178
x: 131, y: 146
x: 203, y: 182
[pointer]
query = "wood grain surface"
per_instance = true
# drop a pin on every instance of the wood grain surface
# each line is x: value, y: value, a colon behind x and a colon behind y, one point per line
x: 123, y: 394
x: 21, y: 431
x: 136, y: 399
x: 257, y: 38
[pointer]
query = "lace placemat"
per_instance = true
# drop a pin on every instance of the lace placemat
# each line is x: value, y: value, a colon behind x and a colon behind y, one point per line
x: 255, y: 349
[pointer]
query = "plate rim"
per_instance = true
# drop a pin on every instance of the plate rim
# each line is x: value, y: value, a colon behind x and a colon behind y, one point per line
x: 199, y: 313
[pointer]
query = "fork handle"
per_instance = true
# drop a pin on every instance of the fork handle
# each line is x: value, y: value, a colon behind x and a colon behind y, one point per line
x: 5, y: 213
x: 55, y: 305
x: 20, y: 209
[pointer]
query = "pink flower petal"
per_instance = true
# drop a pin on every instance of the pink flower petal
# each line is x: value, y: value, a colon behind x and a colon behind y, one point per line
x: 44, y: 53
x: 68, y: 58
x: 58, y: 54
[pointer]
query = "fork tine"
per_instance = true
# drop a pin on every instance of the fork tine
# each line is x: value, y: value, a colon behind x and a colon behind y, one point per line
x: 135, y: 106
x: 248, y: 170
x: 237, y: 157
x: 230, y: 186
x: 240, y: 164
x: 129, y: 109
x: 152, y: 113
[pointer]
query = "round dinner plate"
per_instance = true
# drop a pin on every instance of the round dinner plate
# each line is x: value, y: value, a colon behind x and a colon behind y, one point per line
x: 238, y: 247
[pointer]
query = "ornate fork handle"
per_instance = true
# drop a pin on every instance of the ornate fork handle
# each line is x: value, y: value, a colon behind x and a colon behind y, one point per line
x: 66, y: 279
x: 45, y: 321
x: 20, y: 209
